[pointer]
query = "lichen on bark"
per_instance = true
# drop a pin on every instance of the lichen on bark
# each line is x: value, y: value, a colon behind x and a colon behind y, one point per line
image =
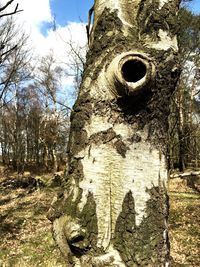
x: 143, y: 245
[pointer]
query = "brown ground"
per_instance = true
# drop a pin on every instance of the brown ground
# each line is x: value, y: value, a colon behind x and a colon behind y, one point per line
x: 184, y: 223
x: 25, y: 232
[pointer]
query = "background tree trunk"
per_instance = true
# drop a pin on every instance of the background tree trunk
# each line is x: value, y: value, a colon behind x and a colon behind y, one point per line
x: 114, y: 209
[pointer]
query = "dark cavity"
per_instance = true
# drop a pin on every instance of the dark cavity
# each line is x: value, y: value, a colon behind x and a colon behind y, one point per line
x: 133, y: 70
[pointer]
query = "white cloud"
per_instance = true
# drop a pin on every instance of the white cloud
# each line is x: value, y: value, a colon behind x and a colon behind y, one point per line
x: 58, y: 40
x: 37, y: 12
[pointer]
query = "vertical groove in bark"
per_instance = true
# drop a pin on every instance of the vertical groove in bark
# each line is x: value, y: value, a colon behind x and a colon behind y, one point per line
x: 113, y: 211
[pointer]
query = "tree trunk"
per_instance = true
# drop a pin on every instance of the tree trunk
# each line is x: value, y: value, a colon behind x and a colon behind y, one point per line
x: 115, y: 207
x: 54, y: 159
x: 45, y: 156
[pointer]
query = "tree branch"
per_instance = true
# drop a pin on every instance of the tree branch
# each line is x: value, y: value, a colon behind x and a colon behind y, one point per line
x: 8, y: 51
x: 89, y: 23
x: 10, y: 13
x: 6, y: 5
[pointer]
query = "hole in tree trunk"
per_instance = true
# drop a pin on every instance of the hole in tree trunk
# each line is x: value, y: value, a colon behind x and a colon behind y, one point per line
x: 133, y: 70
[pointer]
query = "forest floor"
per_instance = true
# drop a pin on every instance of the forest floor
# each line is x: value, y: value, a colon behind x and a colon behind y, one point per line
x: 26, y: 237
x: 184, y: 222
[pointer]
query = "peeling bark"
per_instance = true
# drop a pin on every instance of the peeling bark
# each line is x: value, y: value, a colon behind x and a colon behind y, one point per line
x: 114, y: 208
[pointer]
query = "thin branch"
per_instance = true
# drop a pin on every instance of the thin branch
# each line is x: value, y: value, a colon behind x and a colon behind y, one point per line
x: 6, y: 5
x: 62, y: 104
x: 8, y: 51
x: 10, y: 13
x: 197, y: 93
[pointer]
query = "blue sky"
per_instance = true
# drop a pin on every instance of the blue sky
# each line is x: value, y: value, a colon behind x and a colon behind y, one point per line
x: 195, y: 6
x: 70, y: 10
x: 65, y: 11
x: 77, y: 10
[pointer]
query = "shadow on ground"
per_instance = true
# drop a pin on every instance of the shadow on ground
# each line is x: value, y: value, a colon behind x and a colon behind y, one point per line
x: 184, y: 222
x: 25, y: 231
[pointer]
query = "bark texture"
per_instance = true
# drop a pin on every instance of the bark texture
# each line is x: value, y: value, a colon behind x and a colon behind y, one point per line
x: 114, y: 209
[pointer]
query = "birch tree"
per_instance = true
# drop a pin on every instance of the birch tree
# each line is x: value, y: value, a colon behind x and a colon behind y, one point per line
x: 114, y: 208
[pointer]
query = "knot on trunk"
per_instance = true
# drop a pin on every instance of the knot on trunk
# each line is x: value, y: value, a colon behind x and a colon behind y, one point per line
x: 130, y: 73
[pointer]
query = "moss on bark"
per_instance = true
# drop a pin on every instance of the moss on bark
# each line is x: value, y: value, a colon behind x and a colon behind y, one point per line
x: 143, y: 245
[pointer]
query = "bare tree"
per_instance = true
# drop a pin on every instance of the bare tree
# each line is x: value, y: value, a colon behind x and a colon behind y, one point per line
x: 15, y: 70
x: 184, y: 118
x: 15, y: 65
x: 76, y: 63
x: 48, y: 81
x: 74, y: 60
x: 7, y: 34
